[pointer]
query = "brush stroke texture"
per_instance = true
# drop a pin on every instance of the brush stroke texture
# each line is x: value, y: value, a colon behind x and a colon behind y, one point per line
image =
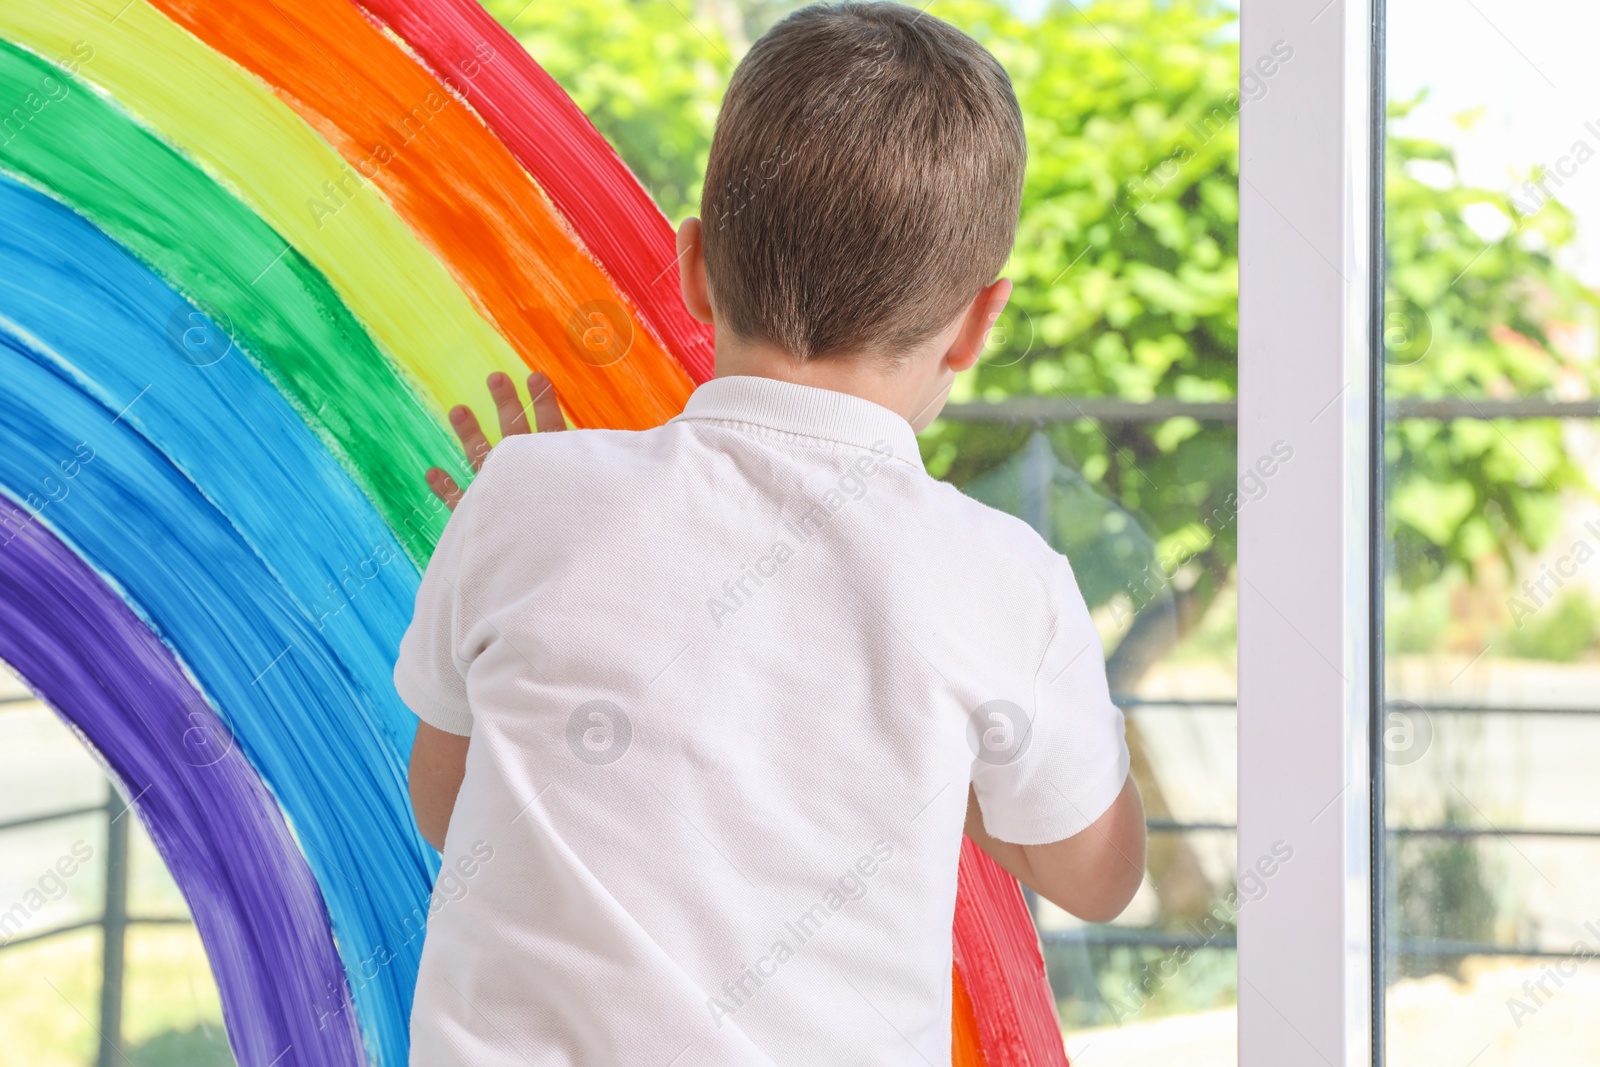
x: 298, y: 716
x: 254, y: 903
x: 550, y: 135
x: 615, y: 218
x: 458, y: 187
x: 102, y: 320
x: 206, y: 244
x: 966, y: 1046
x: 997, y: 955
x: 300, y: 186
x: 289, y: 328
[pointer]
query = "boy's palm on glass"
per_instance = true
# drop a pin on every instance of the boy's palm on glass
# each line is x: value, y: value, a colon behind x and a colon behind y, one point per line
x: 513, y: 415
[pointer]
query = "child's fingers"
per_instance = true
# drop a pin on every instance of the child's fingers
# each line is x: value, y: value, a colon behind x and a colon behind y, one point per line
x: 507, y: 405
x: 546, y: 408
x: 444, y: 487
x: 465, y: 423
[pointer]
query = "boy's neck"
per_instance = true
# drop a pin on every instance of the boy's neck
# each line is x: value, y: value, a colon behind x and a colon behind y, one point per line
x: 911, y: 387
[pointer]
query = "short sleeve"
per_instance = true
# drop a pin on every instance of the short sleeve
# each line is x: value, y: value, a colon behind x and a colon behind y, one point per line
x: 1059, y: 769
x: 430, y: 674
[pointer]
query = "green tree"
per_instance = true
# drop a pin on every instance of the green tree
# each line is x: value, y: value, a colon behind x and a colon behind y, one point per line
x: 1126, y: 278
x: 1126, y: 262
x: 649, y: 78
x: 1126, y: 272
x: 1476, y: 296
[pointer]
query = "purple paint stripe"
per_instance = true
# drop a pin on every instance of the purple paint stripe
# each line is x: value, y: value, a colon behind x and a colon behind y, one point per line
x: 254, y: 901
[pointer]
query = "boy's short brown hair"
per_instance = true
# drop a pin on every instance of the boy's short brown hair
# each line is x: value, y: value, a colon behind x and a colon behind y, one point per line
x: 864, y: 181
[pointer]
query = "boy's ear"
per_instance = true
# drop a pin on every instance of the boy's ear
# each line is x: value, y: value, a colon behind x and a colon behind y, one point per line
x: 692, y: 270
x: 975, y: 325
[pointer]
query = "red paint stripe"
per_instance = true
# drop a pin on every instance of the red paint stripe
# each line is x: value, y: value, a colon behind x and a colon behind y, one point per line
x: 996, y: 948
x: 466, y: 196
x: 612, y: 214
x: 997, y: 955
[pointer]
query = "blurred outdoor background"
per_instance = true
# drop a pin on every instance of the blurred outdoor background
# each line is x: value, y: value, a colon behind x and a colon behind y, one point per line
x: 1103, y: 414
x: 1494, y: 553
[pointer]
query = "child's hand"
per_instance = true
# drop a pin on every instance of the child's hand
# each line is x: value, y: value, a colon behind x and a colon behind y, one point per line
x: 513, y: 419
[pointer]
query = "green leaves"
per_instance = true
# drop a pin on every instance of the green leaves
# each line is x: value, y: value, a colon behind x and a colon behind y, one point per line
x: 647, y: 78
x: 1481, y: 282
x: 1126, y: 261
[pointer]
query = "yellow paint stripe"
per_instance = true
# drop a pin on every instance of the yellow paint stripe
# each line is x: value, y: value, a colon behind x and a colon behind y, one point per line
x: 235, y: 128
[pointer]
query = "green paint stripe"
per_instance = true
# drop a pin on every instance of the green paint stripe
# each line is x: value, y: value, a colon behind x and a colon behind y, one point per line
x: 239, y: 131
x: 58, y: 134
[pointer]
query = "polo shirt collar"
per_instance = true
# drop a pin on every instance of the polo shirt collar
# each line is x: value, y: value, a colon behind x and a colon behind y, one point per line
x: 805, y: 410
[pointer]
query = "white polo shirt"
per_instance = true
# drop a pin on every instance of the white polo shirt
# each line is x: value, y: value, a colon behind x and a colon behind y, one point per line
x: 727, y: 681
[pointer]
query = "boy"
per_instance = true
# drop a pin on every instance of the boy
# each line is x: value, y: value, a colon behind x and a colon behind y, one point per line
x: 735, y: 686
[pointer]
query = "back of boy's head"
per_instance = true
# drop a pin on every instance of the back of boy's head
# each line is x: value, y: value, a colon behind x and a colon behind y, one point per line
x: 864, y: 181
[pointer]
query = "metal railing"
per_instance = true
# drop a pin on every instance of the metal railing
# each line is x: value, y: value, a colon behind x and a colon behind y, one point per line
x: 1049, y: 409
x: 1113, y: 936
x: 1041, y: 410
x: 113, y: 920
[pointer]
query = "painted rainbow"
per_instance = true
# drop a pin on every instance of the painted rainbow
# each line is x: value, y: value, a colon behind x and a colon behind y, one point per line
x: 207, y: 574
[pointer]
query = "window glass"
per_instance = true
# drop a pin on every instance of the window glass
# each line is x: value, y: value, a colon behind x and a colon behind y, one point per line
x: 1102, y: 413
x: 53, y: 876
x: 1492, y: 600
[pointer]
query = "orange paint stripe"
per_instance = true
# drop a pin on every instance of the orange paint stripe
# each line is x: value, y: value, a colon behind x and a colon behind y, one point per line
x: 462, y: 192
x: 966, y: 1047
x: 997, y: 953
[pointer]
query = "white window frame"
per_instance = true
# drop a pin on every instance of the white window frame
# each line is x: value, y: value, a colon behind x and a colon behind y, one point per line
x: 1308, y: 228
